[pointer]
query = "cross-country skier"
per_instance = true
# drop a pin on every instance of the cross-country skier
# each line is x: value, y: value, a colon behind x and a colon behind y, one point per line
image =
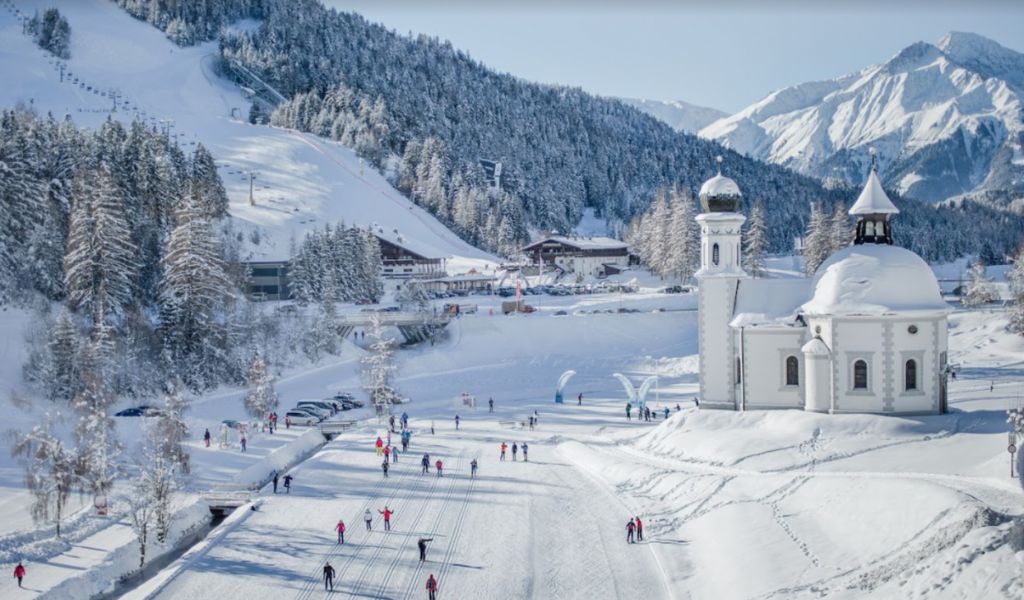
x: 579, y: 399
x: 422, y: 545
x: 391, y: 422
x: 405, y: 420
x: 394, y: 454
x: 384, y: 466
x: 504, y: 447
x: 387, y: 512
x: 369, y: 519
x: 639, y: 529
x: 275, y: 482
x: 206, y: 437
x: 19, y: 572
x: 379, y: 444
x: 515, y: 449
x: 456, y: 422
x: 425, y: 462
x: 525, y: 449
x: 243, y: 443
x: 472, y: 468
x: 629, y: 409
x: 328, y: 577
x: 340, y: 528
x: 439, y: 465
x: 666, y: 412
x: 490, y: 405
x: 288, y: 483
x: 387, y: 453
x: 630, y: 529
x: 431, y: 588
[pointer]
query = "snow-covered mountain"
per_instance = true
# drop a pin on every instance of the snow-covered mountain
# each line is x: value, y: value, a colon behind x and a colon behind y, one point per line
x: 946, y: 120
x: 679, y: 115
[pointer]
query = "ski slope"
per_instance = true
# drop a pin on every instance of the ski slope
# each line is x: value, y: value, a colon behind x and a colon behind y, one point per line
x: 302, y: 182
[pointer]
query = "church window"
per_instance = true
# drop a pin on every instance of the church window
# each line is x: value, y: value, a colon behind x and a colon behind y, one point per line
x: 714, y: 254
x: 792, y: 371
x: 739, y: 371
x: 860, y: 375
x: 910, y: 374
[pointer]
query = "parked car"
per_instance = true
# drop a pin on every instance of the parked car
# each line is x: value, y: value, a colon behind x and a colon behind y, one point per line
x: 138, y: 411
x: 347, y: 399
x: 364, y: 301
x: 321, y: 413
x: 231, y: 423
x: 300, y: 417
x: 328, y: 406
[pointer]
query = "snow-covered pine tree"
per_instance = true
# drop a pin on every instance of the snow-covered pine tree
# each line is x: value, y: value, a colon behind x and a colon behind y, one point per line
x: 64, y: 348
x: 140, y: 513
x: 261, y: 399
x: 100, y: 261
x: 369, y: 266
x: 840, y: 233
x: 50, y: 470
x: 170, y: 429
x: 98, y: 449
x: 193, y: 293
x: 659, y: 231
x: 684, y: 236
x: 207, y: 185
x: 755, y: 242
x: 379, y: 366
x: 413, y: 296
x: 817, y: 239
x: 978, y: 288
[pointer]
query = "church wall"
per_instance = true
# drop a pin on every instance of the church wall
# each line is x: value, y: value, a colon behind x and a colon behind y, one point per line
x: 885, y: 344
x: 764, y: 353
x: 717, y: 370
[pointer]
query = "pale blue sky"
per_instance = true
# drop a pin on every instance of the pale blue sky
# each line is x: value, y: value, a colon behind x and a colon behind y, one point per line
x: 725, y: 54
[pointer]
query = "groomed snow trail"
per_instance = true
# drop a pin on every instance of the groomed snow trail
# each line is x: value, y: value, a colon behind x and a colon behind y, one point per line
x: 535, y: 529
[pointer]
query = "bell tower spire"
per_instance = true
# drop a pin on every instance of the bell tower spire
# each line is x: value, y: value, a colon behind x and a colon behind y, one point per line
x: 873, y: 209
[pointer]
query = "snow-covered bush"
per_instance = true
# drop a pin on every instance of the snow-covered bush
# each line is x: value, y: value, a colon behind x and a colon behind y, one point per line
x: 978, y: 288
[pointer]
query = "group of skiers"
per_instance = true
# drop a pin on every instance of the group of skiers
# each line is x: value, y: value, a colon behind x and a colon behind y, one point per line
x: 634, y: 529
x: 515, y: 451
x: 645, y: 413
x: 329, y: 574
x: 287, y: 482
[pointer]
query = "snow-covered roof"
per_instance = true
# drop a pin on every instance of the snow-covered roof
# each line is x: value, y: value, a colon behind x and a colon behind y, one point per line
x: 411, y: 244
x: 719, y: 186
x: 583, y: 243
x: 873, y: 199
x: 874, y: 279
x: 769, y: 302
x: 816, y: 347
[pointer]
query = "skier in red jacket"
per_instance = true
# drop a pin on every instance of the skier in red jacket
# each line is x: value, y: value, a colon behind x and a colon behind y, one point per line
x: 340, y: 527
x: 431, y: 587
x: 19, y: 572
x: 439, y: 465
x: 639, y: 529
x: 387, y: 512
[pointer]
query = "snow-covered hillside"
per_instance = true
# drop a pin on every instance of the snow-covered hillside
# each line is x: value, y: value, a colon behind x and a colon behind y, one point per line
x: 955, y: 103
x: 302, y: 181
x: 681, y: 116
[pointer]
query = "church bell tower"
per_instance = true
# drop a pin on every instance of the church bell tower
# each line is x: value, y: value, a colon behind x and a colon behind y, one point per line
x: 719, y: 275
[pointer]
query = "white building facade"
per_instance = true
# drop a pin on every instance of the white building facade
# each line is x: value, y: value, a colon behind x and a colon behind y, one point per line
x: 866, y: 334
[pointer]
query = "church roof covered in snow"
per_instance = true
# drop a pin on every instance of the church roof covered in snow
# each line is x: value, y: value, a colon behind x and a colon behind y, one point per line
x: 582, y: 243
x: 815, y: 347
x: 874, y: 279
x: 769, y: 302
x: 873, y: 200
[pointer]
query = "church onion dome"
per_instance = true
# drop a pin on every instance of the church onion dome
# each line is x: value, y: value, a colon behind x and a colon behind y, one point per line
x: 720, y: 194
x: 872, y: 280
x: 816, y: 347
x: 873, y: 199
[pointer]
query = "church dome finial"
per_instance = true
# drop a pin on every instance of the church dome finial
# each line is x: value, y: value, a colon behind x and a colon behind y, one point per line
x: 720, y: 193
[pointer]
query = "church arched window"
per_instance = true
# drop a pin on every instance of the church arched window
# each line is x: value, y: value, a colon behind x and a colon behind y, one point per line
x: 739, y: 371
x: 860, y: 375
x: 910, y: 374
x: 714, y: 254
x: 792, y: 371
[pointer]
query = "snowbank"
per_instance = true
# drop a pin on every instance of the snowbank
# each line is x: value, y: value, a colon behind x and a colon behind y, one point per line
x: 258, y: 474
x: 124, y: 560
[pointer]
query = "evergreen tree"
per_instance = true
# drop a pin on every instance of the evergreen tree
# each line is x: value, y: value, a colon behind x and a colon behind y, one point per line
x: 170, y: 431
x: 100, y: 261
x: 193, y: 292
x: 50, y: 470
x: 207, y: 186
x: 978, y: 289
x: 261, y: 399
x: 64, y: 354
x: 840, y: 234
x: 755, y: 243
x: 379, y: 366
x: 817, y: 240
x: 684, y: 237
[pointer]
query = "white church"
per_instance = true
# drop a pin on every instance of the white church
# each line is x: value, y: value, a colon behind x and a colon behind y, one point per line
x: 866, y: 334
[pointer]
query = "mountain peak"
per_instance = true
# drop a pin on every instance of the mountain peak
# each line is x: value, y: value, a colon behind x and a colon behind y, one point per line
x: 984, y: 56
x: 914, y: 55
